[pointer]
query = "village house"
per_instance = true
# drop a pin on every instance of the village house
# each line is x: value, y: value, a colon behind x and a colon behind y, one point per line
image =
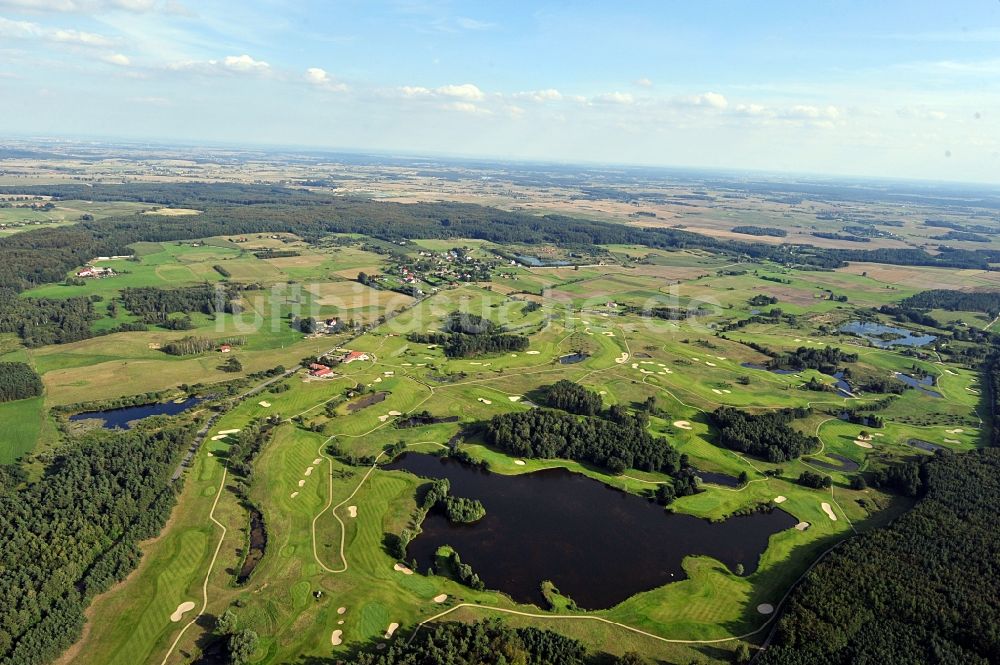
x: 351, y: 356
x: 318, y: 370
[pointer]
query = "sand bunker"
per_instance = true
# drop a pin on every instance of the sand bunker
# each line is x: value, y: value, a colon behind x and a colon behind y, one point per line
x: 829, y: 511
x: 395, y: 413
x: 716, y: 391
x: 635, y: 365
x: 682, y: 424
x: 728, y: 392
x: 301, y: 483
x: 318, y: 460
x: 513, y: 398
x: 532, y: 353
x: 519, y: 462
x: 378, y: 379
x: 352, y: 511
x: 622, y: 359
x: 341, y: 610
x: 721, y: 357
x: 400, y: 568
x: 389, y: 373
x: 309, y: 471
x: 952, y: 441
x: 863, y: 444
x: 264, y: 403
x: 710, y: 364
x: 336, y: 638
x: 383, y: 418
x: 957, y: 430
x: 780, y: 499
x: 407, y: 364
x: 485, y: 401
x: 765, y: 608
x: 440, y: 599
x: 391, y: 629
x: 218, y: 437
x: 609, y: 334
x: 293, y: 495
x: 178, y: 614
x: 229, y: 431
x: 802, y: 526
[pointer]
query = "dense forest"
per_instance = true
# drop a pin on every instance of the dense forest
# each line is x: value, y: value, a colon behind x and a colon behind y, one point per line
x: 987, y: 302
x: 41, y: 321
x: 153, y: 304
x: 765, y: 435
x: 571, y: 397
x: 471, y: 335
x: 751, y: 230
x: 73, y: 533
x: 825, y: 359
x: 488, y: 642
x: 18, y: 381
x: 618, y: 443
x: 922, y: 590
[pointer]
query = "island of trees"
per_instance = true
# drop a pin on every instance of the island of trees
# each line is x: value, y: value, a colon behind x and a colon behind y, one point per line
x: 765, y: 435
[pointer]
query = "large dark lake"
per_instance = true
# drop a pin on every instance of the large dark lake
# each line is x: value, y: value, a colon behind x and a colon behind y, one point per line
x: 122, y: 418
x: 597, y: 544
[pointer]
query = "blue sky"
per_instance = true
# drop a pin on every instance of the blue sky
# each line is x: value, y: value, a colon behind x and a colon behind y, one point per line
x: 897, y: 89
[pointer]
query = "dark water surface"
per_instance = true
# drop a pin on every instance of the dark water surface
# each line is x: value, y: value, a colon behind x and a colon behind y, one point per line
x: 597, y: 544
x: 121, y: 418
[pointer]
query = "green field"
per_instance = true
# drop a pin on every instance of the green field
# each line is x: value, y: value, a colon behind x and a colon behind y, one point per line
x: 318, y: 543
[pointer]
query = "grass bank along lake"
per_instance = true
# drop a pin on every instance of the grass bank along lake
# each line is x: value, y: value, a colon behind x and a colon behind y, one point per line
x: 124, y: 417
x: 597, y: 544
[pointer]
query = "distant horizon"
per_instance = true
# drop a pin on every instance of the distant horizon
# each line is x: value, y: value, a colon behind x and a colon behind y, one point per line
x: 181, y: 143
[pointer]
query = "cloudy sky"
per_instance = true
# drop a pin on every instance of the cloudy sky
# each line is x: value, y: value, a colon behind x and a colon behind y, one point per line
x: 900, y: 89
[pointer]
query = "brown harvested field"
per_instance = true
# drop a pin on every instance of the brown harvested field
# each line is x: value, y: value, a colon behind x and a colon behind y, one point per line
x: 308, y: 260
x: 173, y: 212
x: 922, y: 277
x: 353, y: 295
x: 352, y: 273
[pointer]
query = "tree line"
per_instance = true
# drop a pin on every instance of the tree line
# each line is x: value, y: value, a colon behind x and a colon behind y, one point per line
x: 618, y: 442
x: 18, y: 381
x: 765, y: 435
x: 987, y: 302
x: 74, y: 533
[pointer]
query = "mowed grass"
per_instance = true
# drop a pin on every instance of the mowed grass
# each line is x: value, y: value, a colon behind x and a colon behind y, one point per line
x: 21, y: 424
x: 305, y: 502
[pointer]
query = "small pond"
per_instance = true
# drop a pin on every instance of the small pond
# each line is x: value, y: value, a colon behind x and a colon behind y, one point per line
x: 841, y: 463
x: 884, y: 336
x: 124, y: 417
x: 919, y: 384
x: 573, y: 358
x: 597, y: 544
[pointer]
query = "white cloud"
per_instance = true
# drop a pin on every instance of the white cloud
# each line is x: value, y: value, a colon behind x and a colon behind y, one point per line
x: 414, y: 91
x: 464, y: 91
x: 547, y: 95
x: 29, y: 30
x: 94, y: 6
x: 644, y: 83
x: 472, y: 24
x: 119, y: 59
x: 622, y: 98
x: 321, y: 79
x: 79, y: 38
x: 710, y: 99
x: 812, y: 112
x: 231, y: 64
x: 467, y: 107
x: 244, y: 63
